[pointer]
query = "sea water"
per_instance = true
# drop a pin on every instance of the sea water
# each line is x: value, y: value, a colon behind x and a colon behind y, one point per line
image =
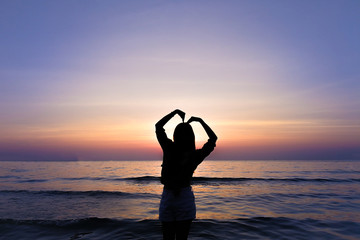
x: 234, y: 199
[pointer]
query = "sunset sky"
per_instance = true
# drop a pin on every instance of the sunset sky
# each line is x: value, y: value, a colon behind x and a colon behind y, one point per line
x: 89, y: 79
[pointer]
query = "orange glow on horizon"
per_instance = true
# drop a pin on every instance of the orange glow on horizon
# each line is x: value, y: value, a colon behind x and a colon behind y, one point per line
x: 137, y: 138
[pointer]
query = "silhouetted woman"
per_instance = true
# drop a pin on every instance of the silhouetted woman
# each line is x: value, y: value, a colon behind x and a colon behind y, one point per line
x: 180, y: 159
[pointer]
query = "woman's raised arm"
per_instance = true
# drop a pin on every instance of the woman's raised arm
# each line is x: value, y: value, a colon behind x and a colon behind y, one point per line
x: 164, y: 120
x: 208, y: 130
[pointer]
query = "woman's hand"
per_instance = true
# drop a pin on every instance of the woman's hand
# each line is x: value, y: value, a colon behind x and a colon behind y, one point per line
x: 164, y: 120
x: 180, y: 113
x: 194, y: 119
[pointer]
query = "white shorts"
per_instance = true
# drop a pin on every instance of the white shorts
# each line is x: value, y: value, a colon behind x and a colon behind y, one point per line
x: 177, y: 206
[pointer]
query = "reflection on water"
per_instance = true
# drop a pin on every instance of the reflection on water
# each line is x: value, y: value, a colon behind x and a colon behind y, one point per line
x: 293, y: 189
x: 322, y: 190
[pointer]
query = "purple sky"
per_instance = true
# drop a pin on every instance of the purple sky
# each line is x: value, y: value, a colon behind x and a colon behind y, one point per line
x: 89, y: 79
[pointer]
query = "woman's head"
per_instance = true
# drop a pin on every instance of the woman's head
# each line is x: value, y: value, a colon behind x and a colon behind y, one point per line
x: 184, y: 137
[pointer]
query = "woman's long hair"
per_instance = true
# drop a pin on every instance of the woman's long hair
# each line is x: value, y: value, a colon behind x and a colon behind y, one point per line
x: 184, y: 137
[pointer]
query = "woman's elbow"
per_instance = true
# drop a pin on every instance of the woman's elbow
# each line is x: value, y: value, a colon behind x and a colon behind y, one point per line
x: 214, y: 138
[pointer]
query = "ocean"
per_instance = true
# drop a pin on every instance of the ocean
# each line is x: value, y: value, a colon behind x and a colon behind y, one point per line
x: 234, y: 199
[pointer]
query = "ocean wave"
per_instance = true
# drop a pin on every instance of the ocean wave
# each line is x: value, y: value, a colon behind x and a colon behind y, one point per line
x: 140, y: 179
x: 110, y: 194
x: 8, y: 176
x: 197, y: 180
x: 205, y: 179
x: 202, y: 180
x: 87, y: 228
x: 32, y: 181
x: 85, y: 178
x: 244, y: 228
x: 93, y: 221
x: 80, y: 193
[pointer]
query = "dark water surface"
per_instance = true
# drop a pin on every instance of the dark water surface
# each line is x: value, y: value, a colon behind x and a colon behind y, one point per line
x: 235, y: 200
